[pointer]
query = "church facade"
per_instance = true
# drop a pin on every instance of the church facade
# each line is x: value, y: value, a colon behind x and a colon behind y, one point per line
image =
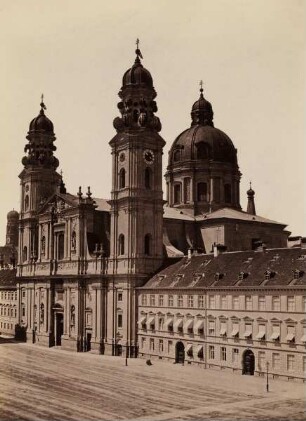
x: 84, y: 263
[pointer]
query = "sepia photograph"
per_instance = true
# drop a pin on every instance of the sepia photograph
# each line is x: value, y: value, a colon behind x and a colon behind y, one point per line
x: 153, y: 210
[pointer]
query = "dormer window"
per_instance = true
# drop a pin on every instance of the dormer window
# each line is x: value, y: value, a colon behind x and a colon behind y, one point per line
x: 242, y: 276
x: 269, y: 274
x: 176, y: 155
x: 297, y: 274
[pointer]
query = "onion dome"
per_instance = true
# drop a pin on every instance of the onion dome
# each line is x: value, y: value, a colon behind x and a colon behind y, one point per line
x: 251, y: 202
x: 137, y: 74
x: 12, y: 215
x: 202, y: 112
x: 41, y: 123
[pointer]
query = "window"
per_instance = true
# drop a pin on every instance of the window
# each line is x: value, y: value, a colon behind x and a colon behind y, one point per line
x: 147, y: 244
x: 42, y: 313
x: 248, y: 331
x: 235, y: 355
x: 161, y: 300
x: 211, y: 328
x: 236, y: 302
x: 211, y: 352
x: 15, y: 295
x: 212, y: 301
x: 143, y: 343
x: 122, y: 178
x: 160, y: 323
x: 151, y: 344
x: 121, y: 244
x: 180, y: 301
x: 190, y: 301
x: 261, y: 335
x: 119, y: 321
x: 275, y: 361
x: 23, y: 311
x: 261, y: 303
x: 25, y: 254
x: 144, y: 300
x: 223, y: 328
x: 43, y: 245
x: 291, y: 303
x: 61, y: 246
x: 23, y: 293
x: 148, y: 178
x: 275, y: 332
x: 290, y: 334
x: 186, y: 190
x: 152, y: 300
x: 248, y: 303
x: 261, y: 360
x: 170, y: 345
x: 224, y: 302
x: 170, y: 300
x: 290, y: 362
x: 161, y: 346
x: 223, y: 353
x: 201, y: 301
x: 15, y: 312
x: 177, y: 193
x: 227, y: 193
x: 176, y: 155
x: 276, y: 303
x: 120, y: 296
x: 202, y: 192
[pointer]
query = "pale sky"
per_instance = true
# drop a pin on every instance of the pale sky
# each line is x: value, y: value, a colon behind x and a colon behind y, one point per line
x: 250, y: 55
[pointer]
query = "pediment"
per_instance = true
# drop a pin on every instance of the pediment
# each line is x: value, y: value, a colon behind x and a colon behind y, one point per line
x: 58, y: 203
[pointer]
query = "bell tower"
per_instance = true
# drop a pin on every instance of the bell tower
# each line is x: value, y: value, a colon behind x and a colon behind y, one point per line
x: 137, y: 198
x: 39, y: 180
x: 136, y: 204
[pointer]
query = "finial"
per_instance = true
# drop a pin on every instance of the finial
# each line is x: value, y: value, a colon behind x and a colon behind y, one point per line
x: 201, y: 87
x: 80, y: 193
x: 43, y: 107
x: 138, y: 52
x: 250, y: 184
x: 88, y: 192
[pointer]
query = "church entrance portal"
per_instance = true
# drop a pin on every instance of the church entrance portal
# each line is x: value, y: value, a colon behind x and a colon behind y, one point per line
x: 59, y: 328
x: 248, y: 363
x: 179, y: 353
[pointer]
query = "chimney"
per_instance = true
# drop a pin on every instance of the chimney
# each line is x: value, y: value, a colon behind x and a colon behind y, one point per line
x: 218, y: 249
x: 190, y: 253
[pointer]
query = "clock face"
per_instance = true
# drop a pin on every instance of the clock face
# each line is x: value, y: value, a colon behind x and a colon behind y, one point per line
x: 148, y: 156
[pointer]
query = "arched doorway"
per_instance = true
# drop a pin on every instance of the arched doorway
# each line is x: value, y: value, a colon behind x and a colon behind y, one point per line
x: 248, y: 362
x: 179, y: 352
x: 59, y: 328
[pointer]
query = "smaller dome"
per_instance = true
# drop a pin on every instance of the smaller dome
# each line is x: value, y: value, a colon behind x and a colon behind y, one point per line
x: 13, y: 215
x: 250, y: 192
x: 41, y: 123
x: 202, y: 112
x: 137, y: 75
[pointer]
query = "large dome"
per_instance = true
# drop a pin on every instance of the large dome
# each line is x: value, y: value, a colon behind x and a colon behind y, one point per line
x: 203, y: 142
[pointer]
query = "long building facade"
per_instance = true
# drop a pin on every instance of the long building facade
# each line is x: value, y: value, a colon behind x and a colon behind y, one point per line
x: 85, y: 264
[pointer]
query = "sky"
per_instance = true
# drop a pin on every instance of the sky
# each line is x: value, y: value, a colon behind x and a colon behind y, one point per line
x: 251, y: 56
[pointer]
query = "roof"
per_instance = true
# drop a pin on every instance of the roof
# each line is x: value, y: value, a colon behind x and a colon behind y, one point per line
x: 269, y: 268
x: 7, y: 278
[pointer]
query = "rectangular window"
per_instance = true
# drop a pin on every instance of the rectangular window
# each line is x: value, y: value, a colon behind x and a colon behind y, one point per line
x: 201, y: 301
x: 275, y: 332
x: 15, y: 312
x: 291, y: 303
x: 290, y: 362
x: 275, y: 361
x: 211, y: 352
x: 235, y: 355
x: 261, y: 360
x: 160, y: 300
x: 276, y: 303
x: 248, y: 302
x: 170, y: 300
x: 161, y: 346
x: 170, y: 345
x: 248, y: 331
x: 236, y: 302
x: 290, y: 334
x: 119, y: 296
x: 212, y: 301
x: 23, y: 293
x: 224, y: 302
x: 211, y: 328
x: 144, y: 300
x: 152, y: 300
x: 119, y: 321
x: 262, y: 303
x: 152, y: 344
x: 190, y: 301
x: 180, y: 301
x: 23, y: 311
x: 223, y: 353
x: 143, y: 343
x: 15, y: 295
x: 161, y: 323
x: 261, y: 335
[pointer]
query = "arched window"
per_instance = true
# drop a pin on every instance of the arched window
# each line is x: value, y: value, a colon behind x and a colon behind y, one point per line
x: 176, y: 155
x: 26, y: 202
x: 177, y: 193
x: 42, y: 313
x: 43, y: 245
x: 202, y: 192
x: 121, y: 244
x: 148, y: 244
x: 122, y: 178
x: 148, y: 178
x: 202, y: 150
x: 60, y: 245
x: 227, y: 193
x: 25, y: 254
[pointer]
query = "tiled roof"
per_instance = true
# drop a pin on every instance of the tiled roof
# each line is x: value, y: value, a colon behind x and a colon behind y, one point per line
x: 7, y: 278
x: 269, y: 268
x: 229, y: 213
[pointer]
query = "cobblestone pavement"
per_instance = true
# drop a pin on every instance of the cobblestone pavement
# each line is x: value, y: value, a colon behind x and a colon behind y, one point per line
x: 51, y: 384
